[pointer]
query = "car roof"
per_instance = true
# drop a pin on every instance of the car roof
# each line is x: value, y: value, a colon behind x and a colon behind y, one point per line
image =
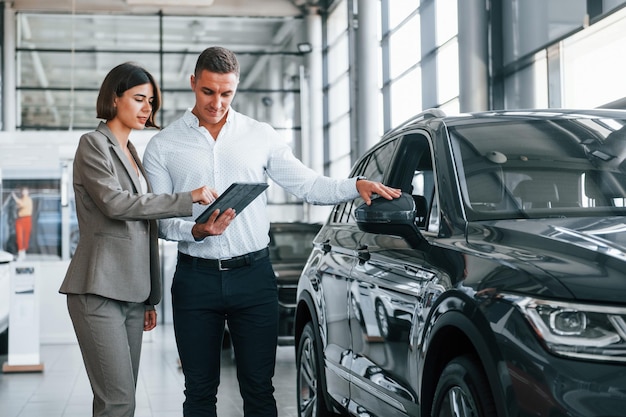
x: 493, y: 116
x: 536, y: 114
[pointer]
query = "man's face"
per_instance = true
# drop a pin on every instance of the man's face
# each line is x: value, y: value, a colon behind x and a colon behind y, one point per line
x: 214, y: 93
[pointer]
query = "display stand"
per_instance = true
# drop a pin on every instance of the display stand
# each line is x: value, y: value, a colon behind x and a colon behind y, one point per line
x: 23, y: 320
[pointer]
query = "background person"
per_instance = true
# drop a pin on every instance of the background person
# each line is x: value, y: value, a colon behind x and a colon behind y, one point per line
x: 113, y: 280
x: 23, y: 222
x: 229, y: 277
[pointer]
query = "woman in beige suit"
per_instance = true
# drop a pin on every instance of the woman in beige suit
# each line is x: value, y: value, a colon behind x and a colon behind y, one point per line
x: 113, y: 281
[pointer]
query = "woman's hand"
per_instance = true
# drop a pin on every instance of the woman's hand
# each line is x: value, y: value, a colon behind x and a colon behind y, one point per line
x: 149, y: 320
x: 204, y: 195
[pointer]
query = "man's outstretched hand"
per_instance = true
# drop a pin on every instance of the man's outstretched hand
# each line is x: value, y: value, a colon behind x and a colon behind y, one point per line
x: 366, y: 188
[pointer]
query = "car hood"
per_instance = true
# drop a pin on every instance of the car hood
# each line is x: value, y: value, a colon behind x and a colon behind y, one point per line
x: 587, y: 256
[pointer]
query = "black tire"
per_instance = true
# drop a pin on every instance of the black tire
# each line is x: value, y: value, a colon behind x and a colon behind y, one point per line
x: 356, y: 310
x: 386, y: 326
x: 310, y: 395
x: 463, y: 391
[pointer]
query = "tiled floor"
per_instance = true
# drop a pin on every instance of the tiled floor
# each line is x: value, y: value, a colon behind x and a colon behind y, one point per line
x: 62, y: 389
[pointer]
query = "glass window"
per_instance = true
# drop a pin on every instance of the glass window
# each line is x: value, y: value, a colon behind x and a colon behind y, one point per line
x: 404, y: 47
x: 61, y: 60
x: 423, y: 51
x: 422, y: 188
x: 593, y: 62
x: 448, y: 72
x: 338, y: 58
x: 373, y: 166
x: 406, y: 97
x: 400, y: 9
x: 339, y: 97
x: 529, y: 25
x: 71, y: 102
x: 535, y: 169
x: 447, y: 20
x: 44, y: 242
x: 337, y: 22
x: 339, y: 147
x: 337, y: 64
x: 85, y: 31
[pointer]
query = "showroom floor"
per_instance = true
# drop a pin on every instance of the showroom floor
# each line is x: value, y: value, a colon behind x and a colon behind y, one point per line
x: 62, y: 389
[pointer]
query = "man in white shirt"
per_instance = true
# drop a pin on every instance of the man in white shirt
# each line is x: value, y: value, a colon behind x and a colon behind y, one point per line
x: 229, y: 277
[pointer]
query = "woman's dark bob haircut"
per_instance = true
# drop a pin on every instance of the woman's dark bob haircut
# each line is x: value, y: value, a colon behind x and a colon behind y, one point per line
x: 121, y: 78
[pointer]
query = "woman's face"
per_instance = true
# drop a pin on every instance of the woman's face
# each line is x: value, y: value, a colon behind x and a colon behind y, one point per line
x: 135, y: 106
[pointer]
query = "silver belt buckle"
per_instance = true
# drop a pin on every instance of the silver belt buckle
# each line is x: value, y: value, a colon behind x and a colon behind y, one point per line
x: 219, y: 265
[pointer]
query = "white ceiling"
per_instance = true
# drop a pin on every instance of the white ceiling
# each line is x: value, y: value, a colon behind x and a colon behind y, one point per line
x: 215, y: 8
x: 260, y: 31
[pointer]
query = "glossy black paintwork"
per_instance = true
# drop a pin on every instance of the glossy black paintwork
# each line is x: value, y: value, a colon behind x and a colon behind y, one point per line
x: 451, y: 291
x: 581, y: 259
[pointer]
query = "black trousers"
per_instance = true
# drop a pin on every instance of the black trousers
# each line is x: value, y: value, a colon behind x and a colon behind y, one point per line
x: 203, y: 300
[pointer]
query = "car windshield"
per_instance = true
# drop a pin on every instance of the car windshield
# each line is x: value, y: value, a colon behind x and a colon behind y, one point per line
x: 565, y: 167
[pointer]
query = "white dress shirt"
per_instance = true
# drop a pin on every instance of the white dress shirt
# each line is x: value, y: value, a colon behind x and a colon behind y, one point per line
x: 184, y: 156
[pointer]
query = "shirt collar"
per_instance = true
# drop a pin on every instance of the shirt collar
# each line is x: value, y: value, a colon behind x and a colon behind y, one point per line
x: 192, y: 121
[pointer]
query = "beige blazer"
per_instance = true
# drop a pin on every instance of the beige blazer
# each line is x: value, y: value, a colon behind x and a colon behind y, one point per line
x: 117, y: 255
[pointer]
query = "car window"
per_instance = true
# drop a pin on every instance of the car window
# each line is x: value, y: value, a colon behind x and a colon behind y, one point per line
x: 556, y: 168
x: 412, y: 172
x: 372, y: 166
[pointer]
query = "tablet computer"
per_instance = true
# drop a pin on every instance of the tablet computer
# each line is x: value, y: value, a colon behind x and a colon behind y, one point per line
x: 237, y: 196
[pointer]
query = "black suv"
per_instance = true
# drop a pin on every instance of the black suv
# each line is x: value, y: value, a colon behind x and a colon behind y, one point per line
x: 495, y: 286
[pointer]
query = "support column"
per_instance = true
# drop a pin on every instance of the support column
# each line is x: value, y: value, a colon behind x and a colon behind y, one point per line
x: 367, y: 96
x: 312, y: 109
x: 473, y: 56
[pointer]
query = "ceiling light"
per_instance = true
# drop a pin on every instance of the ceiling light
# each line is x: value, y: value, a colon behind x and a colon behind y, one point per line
x: 305, y: 47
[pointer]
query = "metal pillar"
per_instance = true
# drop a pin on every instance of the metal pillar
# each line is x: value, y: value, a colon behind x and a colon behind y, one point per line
x: 473, y: 56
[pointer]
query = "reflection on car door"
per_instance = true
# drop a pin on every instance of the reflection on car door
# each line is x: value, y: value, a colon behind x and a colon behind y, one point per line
x: 387, y: 295
x: 389, y: 284
x: 337, y: 257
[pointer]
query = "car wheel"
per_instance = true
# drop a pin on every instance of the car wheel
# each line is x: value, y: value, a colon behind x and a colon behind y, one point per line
x: 309, y: 387
x: 356, y: 309
x: 386, y: 328
x: 463, y: 391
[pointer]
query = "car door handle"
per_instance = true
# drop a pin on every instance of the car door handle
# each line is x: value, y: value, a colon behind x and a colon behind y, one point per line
x: 363, y: 254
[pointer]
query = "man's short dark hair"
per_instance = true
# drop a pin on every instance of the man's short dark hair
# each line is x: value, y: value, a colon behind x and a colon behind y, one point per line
x: 217, y: 59
x: 121, y: 78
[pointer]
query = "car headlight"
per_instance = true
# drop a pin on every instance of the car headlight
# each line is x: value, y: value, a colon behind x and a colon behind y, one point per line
x: 578, y: 330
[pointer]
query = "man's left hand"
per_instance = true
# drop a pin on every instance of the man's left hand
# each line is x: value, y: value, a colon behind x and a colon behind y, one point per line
x: 366, y: 188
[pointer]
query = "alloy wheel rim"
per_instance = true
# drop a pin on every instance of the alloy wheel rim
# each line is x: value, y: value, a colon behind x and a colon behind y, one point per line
x: 308, y: 380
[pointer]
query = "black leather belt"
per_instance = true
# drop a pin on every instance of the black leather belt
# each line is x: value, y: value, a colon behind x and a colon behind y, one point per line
x: 228, y: 263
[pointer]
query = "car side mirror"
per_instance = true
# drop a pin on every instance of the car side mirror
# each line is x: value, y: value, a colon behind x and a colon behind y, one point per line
x: 391, y: 217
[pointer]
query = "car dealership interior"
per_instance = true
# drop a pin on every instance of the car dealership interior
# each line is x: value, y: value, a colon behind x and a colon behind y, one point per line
x: 330, y: 76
